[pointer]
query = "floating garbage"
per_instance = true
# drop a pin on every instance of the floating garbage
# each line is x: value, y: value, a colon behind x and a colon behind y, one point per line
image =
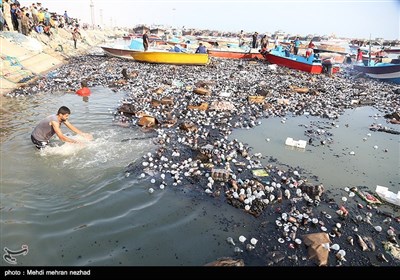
x: 318, y: 247
x: 340, y: 255
x: 378, y: 228
x: 237, y: 250
x: 250, y: 247
x: 335, y: 247
x: 350, y: 239
x: 242, y: 238
x: 260, y: 172
x: 230, y: 241
x: 387, y: 195
x: 293, y: 143
x: 220, y: 174
x: 253, y: 241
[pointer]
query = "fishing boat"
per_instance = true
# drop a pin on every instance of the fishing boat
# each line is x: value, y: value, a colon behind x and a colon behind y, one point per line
x: 118, y: 52
x: 392, y: 49
x: 387, y: 195
x: 178, y: 58
x: 384, y: 71
x: 336, y: 57
x: 235, y: 54
x: 124, y: 50
x: 283, y: 57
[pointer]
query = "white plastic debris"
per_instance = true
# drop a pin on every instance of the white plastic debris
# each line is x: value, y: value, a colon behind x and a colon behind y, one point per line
x: 230, y: 241
x: 295, y: 143
x: 253, y: 241
x: 388, y: 195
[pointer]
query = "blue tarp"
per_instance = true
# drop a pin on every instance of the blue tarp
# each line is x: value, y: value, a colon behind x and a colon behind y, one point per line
x: 136, y: 44
x: 177, y: 48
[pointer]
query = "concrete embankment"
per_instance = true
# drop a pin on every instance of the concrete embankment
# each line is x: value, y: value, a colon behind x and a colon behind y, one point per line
x: 26, y: 58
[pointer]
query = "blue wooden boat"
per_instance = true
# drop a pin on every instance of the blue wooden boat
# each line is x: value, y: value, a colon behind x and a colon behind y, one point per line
x: 283, y: 57
x: 389, y: 72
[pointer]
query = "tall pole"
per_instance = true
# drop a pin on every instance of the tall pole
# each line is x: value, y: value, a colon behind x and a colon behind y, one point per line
x: 92, y: 12
x: 101, y: 17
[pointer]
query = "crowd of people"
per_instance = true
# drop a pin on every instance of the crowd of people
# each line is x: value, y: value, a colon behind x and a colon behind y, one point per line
x: 263, y: 44
x: 35, y: 18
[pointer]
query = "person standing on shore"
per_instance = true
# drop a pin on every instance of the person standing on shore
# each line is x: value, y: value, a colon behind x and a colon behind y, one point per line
x: 359, y: 55
x: 296, y: 46
x: 241, y: 38
x: 310, y: 49
x: 7, y: 14
x: 254, y: 42
x: 264, y: 42
x: 50, y: 125
x: 75, y: 36
x: 66, y: 17
x: 146, y: 40
x: 1, y: 20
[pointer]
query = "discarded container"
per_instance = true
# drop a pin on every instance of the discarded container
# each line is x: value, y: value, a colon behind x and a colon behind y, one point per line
x: 147, y: 121
x: 201, y: 91
x: 167, y: 101
x: 298, y: 144
x: 387, y: 195
x: 202, y: 107
x: 220, y: 174
x: 255, y: 99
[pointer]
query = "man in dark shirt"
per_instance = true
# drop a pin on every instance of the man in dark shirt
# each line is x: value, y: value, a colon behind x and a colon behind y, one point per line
x: 146, y: 40
x: 201, y: 48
